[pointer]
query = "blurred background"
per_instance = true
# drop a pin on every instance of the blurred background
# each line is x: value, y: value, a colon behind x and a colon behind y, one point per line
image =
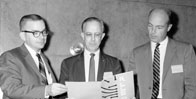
x: 126, y: 24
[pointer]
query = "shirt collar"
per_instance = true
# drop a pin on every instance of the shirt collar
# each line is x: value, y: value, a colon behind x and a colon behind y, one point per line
x: 162, y: 43
x: 31, y: 51
x: 86, y: 52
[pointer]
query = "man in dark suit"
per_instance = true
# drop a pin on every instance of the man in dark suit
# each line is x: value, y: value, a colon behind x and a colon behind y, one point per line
x: 78, y: 68
x: 24, y: 71
x: 165, y: 67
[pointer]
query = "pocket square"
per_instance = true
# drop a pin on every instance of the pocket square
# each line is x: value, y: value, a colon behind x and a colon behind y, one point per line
x: 177, y: 68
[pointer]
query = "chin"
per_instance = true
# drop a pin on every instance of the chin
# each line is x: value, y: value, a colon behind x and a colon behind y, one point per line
x: 92, y: 50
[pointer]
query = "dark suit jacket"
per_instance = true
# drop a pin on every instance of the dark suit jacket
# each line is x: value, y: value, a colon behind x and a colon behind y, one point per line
x: 177, y: 83
x: 72, y: 69
x: 19, y: 75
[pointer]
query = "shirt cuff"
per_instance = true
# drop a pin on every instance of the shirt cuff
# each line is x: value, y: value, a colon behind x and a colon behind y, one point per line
x: 45, y: 94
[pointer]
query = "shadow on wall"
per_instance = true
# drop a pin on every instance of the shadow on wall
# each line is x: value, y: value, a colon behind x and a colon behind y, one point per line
x: 174, y: 19
x: 102, y: 45
x: 194, y: 48
x: 106, y: 31
x: 48, y: 37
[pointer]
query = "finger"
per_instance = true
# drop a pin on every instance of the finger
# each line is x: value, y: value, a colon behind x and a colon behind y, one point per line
x: 61, y: 86
x: 58, y: 92
x: 59, y: 89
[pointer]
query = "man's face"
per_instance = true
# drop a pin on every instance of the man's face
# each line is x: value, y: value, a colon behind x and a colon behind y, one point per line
x: 92, y: 35
x: 36, y: 43
x: 158, y: 26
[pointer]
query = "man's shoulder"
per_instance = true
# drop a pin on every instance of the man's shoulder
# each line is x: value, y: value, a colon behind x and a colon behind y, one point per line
x: 109, y: 57
x: 72, y: 58
x: 180, y: 43
x: 142, y: 47
x: 12, y: 52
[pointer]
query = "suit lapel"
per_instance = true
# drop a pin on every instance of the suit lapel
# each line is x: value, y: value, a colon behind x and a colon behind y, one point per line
x: 148, y: 63
x: 101, y: 67
x: 170, y: 50
x: 79, y: 72
x: 30, y: 61
x: 50, y: 71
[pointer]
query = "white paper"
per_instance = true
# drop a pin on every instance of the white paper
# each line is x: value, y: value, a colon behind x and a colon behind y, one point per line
x: 84, y: 90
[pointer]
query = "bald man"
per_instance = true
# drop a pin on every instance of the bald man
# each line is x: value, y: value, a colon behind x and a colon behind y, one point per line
x: 165, y: 67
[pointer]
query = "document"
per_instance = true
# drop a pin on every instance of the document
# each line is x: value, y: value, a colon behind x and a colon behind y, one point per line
x: 84, y: 90
x: 120, y: 86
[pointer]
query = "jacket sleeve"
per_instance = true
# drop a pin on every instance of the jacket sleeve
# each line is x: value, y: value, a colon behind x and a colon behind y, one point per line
x: 190, y: 74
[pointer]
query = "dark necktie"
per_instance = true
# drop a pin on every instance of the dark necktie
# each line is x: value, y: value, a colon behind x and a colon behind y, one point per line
x: 42, y: 69
x: 156, y: 72
x: 92, y: 68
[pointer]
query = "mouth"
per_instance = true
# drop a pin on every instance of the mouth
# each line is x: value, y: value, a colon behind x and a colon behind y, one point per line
x: 153, y: 36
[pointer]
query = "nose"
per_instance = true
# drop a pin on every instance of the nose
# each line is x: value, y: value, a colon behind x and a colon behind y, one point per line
x: 41, y: 35
x: 153, y: 31
x: 93, y: 37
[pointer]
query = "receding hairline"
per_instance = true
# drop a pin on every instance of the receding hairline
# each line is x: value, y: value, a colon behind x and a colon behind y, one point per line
x: 92, y: 19
x: 164, y: 11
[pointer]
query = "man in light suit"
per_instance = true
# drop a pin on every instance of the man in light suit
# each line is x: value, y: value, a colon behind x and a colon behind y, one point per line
x: 77, y: 68
x: 176, y: 62
x: 22, y: 74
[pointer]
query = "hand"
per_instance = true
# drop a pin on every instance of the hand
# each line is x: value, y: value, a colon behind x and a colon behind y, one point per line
x: 55, y: 89
x: 133, y: 98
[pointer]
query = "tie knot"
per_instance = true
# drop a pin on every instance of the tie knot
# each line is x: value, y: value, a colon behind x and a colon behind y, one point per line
x: 92, y: 54
x: 38, y: 55
x: 157, y: 45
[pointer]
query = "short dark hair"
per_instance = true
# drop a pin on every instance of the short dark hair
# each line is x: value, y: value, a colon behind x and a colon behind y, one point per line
x: 92, y: 19
x: 33, y: 17
x: 167, y: 11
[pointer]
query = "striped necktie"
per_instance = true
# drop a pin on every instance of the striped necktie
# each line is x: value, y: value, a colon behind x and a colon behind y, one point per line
x: 156, y: 72
x: 42, y: 69
x: 92, y: 68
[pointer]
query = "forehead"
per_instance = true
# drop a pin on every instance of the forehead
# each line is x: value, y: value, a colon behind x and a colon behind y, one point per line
x: 158, y: 17
x: 34, y: 25
x: 92, y: 26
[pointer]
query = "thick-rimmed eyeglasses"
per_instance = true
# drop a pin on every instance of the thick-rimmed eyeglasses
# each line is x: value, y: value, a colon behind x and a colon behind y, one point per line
x: 37, y: 33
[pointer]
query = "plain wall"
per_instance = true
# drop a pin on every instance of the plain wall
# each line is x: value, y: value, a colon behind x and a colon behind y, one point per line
x: 126, y: 21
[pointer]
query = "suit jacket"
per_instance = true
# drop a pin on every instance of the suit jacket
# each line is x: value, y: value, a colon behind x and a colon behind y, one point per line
x: 19, y: 75
x: 72, y: 69
x: 177, y: 83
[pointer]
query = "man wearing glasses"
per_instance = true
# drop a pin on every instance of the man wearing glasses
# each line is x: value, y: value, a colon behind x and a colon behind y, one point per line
x: 24, y: 71
x: 91, y: 64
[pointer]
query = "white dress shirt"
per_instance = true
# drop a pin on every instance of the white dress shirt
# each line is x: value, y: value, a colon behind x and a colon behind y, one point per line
x: 87, y: 57
x: 162, y: 49
x: 35, y: 58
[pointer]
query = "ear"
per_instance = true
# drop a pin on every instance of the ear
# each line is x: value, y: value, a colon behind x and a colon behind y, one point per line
x: 82, y: 35
x: 169, y: 27
x: 103, y: 35
x: 22, y: 36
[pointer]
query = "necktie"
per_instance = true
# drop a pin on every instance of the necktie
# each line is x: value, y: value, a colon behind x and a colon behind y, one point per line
x: 92, y: 68
x: 42, y: 69
x: 156, y: 72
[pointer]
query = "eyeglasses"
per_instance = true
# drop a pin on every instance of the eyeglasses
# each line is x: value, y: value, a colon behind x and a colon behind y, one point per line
x: 37, y: 33
x: 90, y: 34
